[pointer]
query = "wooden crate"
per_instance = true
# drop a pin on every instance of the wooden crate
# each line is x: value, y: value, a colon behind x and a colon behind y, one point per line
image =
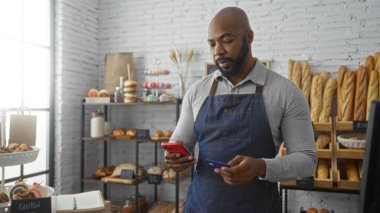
x: 322, y: 153
x: 346, y: 184
x: 324, y: 183
x: 343, y: 152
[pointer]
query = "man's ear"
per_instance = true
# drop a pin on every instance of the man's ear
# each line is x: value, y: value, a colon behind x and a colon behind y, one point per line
x: 250, y: 36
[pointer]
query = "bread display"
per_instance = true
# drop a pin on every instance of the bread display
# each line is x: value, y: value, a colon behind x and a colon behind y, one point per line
x: 351, y: 171
x: 361, y: 94
x: 316, y: 98
x: 128, y: 166
x: 311, y: 210
x: 15, y: 147
x: 323, y: 169
x: 325, y: 77
x: 118, y: 132
x: 306, y: 80
x: 290, y: 68
x: 373, y: 90
x: 103, y: 171
x: 131, y: 133
x: 322, y: 141
x: 327, y: 100
x: 370, y: 63
x: 296, y: 74
x: 348, y: 96
x: 341, y: 72
x: 130, y: 89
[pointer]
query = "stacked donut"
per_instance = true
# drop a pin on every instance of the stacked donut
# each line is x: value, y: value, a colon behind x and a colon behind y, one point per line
x: 130, y: 89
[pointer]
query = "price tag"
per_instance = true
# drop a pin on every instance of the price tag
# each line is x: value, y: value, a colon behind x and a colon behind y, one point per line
x: 154, y: 179
x: 359, y: 126
x: 305, y: 183
x: 143, y: 134
x: 127, y: 174
x: 31, y: 205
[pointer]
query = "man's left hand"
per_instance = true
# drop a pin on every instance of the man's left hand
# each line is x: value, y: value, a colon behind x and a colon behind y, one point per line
x: 243, y: 169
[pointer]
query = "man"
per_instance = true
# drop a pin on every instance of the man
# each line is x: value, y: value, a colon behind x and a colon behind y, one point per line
x: 240, y: 114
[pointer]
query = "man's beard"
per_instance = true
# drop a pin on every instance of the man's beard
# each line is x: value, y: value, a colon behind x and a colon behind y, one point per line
x: 237, y: 63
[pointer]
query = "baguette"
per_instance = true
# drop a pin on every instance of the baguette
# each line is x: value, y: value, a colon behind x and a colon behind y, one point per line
x: 327, y: 98
x: 377, y: 61
x: 370, y: 63
x: 348, y: 96
x: 373, y: 90
x: 323, y: 169
x: 360, y: 169
x: 306, y: 80
x: 341, y: 71
x: 296, y: 74
x: 290, y: 68
x: 351, y: 171
x: 361, y: 94
x: 325, y: 76
x: 322, y: 141
x: 316, y: 98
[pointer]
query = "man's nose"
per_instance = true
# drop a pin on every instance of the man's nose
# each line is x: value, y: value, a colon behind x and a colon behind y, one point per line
x: 219, y: 50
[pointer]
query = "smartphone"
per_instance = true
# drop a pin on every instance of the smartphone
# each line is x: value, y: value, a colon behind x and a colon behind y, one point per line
x: 175, y: 147
x: 217, y: 164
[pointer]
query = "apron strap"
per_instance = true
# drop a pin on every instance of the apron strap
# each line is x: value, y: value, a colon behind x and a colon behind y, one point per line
x: 259, y: 89
x: 213, y: 87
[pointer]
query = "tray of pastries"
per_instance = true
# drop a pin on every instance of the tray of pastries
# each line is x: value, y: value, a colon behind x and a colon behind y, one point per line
x: 17, y: 154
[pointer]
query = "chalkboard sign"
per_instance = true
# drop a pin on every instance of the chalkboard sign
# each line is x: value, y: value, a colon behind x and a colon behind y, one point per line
x: 210, y: 67
x: 359, y: 126
x: 305, y: 183
x: 36, y: 205
x: 154, y: 179
x: 143, y: 134
x: 127, y: 174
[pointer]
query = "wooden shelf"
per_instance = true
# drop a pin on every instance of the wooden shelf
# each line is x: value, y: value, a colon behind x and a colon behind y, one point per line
x: 322, y: 127
x: 125, y: 139
x: 344, y: 126
x: 112, y: 181
x: 343, y: 152
x: 346, y: 184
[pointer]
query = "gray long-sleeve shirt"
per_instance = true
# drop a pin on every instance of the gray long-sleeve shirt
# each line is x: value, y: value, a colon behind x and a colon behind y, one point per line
x: 287, y: 111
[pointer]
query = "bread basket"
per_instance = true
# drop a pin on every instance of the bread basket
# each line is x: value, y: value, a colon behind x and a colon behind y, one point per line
x: 354, y: 140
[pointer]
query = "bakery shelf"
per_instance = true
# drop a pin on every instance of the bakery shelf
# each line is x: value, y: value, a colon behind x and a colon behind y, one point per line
x: 343, y: 183
x: 322, y: 127
x: 18, y: 158
x: 343, y: 152
x: 130, y: 104
x: 98, y: 180
x: 344, y: 126
x: 322, y: 153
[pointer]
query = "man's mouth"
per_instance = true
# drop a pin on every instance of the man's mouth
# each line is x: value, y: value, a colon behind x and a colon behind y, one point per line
x: 224, y: 63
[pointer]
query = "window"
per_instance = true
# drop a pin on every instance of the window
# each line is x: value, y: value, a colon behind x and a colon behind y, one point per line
x: 25, y: 75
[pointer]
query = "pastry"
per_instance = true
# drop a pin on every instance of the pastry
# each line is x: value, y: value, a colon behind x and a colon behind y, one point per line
x: 322, y: 141
x: 325, y: 77
x: 132, y: 133
x: 370, y: 63
x: 323, y: 211
x: 361, y: 94
x: 129, y: 166
x: 155, y: 170
x: 316, y: 98
x: 13, y: 146
x: 168, y: 133
x: 296, y: 74
x: 130, y: 89
x: 341, y: 71
x: 169, y: 174
x: 23, y: 148
x: 158, y: 134
x: 290, y: 68
x: 351, y: 171
x: 348, y: 96
x: 3, y: 197
x: 103, y: 93
x: 118, y: 132
x: 306, y: 80
x: 323, y: 169
x: 130, y: 83
x: 311, y: 210
x: 373, y: 90
x: 4, y: 149
x: 100, y: 172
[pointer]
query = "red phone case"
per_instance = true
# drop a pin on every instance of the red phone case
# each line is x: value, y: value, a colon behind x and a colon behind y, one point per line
x: 175, y: 147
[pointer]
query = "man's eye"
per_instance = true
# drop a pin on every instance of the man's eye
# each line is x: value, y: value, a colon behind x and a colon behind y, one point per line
x: 227, y: 41
x: 212, y: 44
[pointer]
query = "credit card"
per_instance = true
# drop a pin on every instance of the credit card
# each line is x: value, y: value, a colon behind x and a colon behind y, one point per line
x: 217, y: 164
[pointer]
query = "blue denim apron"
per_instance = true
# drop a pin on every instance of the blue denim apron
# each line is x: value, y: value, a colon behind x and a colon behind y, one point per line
x: 226, y: 126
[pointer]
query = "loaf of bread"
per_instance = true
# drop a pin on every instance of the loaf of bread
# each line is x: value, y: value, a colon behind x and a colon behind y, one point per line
x: 351, y: 171
x: 373, y: 90
x: 311, y: 210
x: 348, y: 96
x: 322, y: 141
x: 128, y: 166
x: 370, y: 63
x: 306, y: 80
x: 316, y: 98
x: 377, y: 61
x: 290, y: 68
x: 327, y: 99
x: 325, y: 77
x: 296, y: 74
x: 361, y: 94
x: 341, y: 71
x: 360, y: 169
x: 323, y: 169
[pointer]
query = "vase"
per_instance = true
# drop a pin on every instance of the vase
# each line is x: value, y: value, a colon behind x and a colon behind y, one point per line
x: 181, y: 87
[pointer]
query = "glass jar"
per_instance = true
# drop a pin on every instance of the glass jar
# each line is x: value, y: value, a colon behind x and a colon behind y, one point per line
x: 97, y: 124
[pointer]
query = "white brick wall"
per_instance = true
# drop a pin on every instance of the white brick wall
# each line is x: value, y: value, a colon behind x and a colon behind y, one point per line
x: 326, y: 32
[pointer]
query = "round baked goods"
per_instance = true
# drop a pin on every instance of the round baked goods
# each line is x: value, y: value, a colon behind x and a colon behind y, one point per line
x: 129, y: 166
x: 130, y: 89
x: 311, y: 210
x: 130, y: 83
x: 104, y: 93
x: 118, y: 132
x: 130, y: 98
x: 132, y: 133
x: 103, y: 171
x: 155, y: 170
x: 168, y: 174
x: 168, y: 133
x: 3, y: 197
x: 158, y: 134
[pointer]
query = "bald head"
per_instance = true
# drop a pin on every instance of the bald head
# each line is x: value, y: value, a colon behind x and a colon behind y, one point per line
x: 232, y: 17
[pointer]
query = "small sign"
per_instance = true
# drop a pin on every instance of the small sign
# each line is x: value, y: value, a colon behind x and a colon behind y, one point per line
x: 36, y: 205
x: 143, y: 134
x: 360, y: 126
x: 154, y: 179
x: 305, y: 183
x: 127, y: 174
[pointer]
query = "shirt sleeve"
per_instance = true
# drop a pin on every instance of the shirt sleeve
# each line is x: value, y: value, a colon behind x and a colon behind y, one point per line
x: 184, y: 130
x: 298, y: 136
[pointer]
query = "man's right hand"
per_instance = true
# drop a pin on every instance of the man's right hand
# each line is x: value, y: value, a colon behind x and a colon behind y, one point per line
x: 178, y: 163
